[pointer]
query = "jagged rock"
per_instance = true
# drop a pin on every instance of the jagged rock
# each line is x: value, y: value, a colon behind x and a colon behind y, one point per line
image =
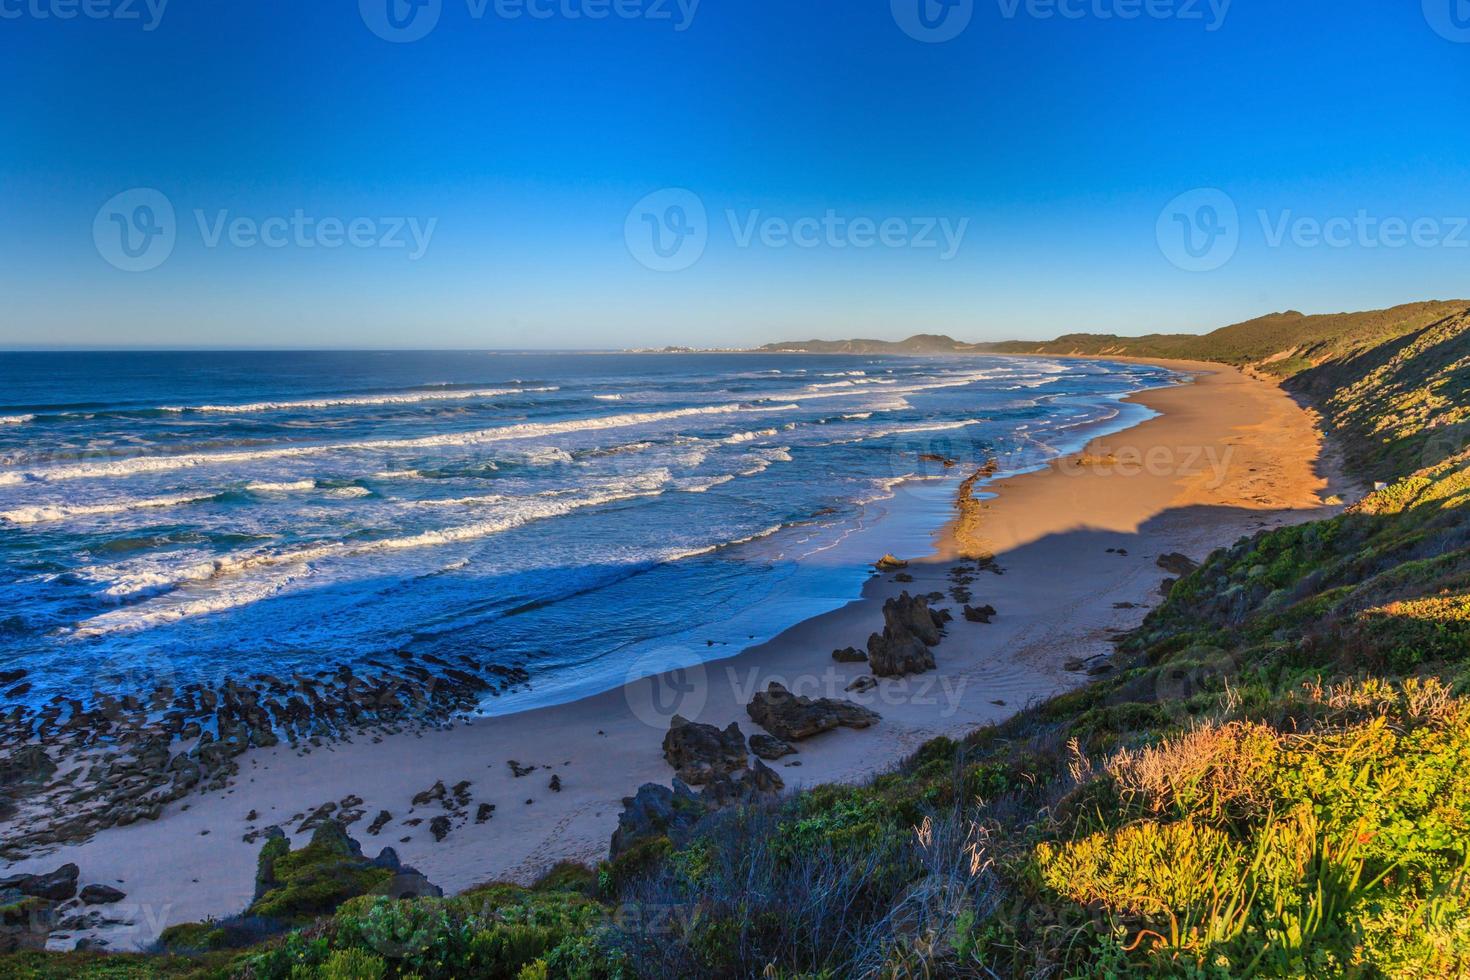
x: 435, y: 792
x: 379, y: 822
x: 909, y: 629
x: 485, y: 812
x: 745, y: 786
x: 983, y: 614
x: 888, y: 563
x: 519, y: 770
x: 656, y: 811
x: 1177, y: 564
x: 102, y: 895
x: 1074, y: 664
x: 769, y: 747
x: 863, y: 684
x: 1167, y: 586
x: 26, y: 768
x: 851, y: 655
x: 58, y: 886
x: 898, y: 653
x: 794, y: 718
x: 700, y: 753
x: 913, y: 615
x: 439, y: 827
x: 555, y: 784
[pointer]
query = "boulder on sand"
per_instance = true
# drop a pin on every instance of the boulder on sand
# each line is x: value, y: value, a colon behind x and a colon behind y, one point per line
x: 701, y: 753
x: 102, y: 895
x: 793, y: 718
x: 910, y: 628
x: 58, y: 886
x: 888, y: 563
x: 982, y: 614
x: 769, y: 747
x: 850, y: 655
x: 1177, y: 564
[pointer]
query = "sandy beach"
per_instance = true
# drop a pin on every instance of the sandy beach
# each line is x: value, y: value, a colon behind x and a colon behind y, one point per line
x: 1077, y: 543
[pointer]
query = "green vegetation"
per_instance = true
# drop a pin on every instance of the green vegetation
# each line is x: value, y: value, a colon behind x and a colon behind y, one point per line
x: 1274, y: 781
x: 1280, y: 344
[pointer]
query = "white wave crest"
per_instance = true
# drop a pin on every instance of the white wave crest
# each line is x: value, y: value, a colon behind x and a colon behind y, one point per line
x: 42, y: 513
x: 403, y: 398
x: 524, y: 430
x: 264, y: 487
x: 16, y: 419
x: 740, y: 437
x: 172, y: 608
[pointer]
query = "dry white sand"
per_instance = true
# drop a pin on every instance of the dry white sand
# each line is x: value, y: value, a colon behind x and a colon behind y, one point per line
x: 1229, y: 455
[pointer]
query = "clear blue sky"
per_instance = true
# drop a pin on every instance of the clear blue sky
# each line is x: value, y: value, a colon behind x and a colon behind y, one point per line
x: 526, y: 141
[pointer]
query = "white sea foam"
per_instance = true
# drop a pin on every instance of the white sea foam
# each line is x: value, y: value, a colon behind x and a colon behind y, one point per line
x: 682, y: 554
x: 289, y: 487
x: 524, y: 430
x: 608, y: 398
x: 740, y: 437
x: 42, y: 513
x: 700, y: 484
x: 402, y: 398
x: 173, y: 608
x: 348, y: 493
x: 16, y: 419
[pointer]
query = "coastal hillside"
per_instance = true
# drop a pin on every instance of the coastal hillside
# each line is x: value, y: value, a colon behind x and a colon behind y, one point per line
x: 1279, y: 344
x: 1270, y: 778
x: 919, y: 344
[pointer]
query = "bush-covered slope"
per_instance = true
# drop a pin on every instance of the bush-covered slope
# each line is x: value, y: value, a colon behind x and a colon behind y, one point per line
x: 1273, y: 781
x: 1282, y: 344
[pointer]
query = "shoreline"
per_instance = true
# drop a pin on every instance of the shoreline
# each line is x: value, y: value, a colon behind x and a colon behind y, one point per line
x: 1199, y: 482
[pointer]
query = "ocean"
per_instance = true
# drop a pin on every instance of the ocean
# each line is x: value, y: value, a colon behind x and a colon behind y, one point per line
x: 183, y: 517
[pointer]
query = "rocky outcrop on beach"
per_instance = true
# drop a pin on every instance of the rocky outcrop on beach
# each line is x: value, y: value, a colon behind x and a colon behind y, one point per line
x: 980, y: 614
x: 1177, y: 564
x: 769, y: 747
x: 702, y: 753
x: 910, y: 628
x: 793, y: 718
x: 143, y: 750
x: 661, y: 811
